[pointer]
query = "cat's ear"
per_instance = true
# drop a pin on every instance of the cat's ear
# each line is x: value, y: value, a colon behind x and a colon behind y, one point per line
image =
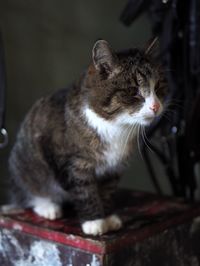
x: 104, y: 58
x: 152, y: 47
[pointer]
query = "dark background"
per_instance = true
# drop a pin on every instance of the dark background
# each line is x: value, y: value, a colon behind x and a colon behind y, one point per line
x: 47, y: 45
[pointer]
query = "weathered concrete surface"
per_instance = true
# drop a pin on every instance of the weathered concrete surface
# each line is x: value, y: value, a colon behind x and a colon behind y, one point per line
x: 18, y: 249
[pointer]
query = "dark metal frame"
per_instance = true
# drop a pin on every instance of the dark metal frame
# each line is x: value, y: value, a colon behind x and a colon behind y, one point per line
x: 177, y: 23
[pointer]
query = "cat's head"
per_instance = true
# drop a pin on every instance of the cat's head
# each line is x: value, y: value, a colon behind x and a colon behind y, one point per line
x: 125, y: 87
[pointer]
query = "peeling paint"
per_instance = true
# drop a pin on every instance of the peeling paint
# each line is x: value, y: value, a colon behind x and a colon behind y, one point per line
x: 37, y: 253
x: 17, y: 227
x: 72, y: 237
x: 41, y: 254
x: 2, y: 249
x: 70, y: 260
x: 7, y: 241
x: 94, y: 261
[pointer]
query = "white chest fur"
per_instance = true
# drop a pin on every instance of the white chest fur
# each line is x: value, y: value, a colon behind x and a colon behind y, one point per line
x: 114, y: 135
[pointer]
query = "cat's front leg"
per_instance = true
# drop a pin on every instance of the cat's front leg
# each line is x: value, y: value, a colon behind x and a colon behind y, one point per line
x: 89, y: 205
x: 107, y: 186
x: 102, y: 226
x: 89, y: 208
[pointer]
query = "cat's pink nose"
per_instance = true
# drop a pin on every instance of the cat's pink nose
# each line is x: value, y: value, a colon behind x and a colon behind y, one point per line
x: 155, y: 107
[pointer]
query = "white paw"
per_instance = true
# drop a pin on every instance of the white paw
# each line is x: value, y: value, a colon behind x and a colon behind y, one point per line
x: 114, y: 222
x: 102, y: 226
x: 51, y: 211
x: 95, y: 227
x: 47, y: 209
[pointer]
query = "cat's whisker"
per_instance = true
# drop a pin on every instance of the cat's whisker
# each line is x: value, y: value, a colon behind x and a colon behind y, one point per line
x: 173, y: 107
x: 138, y: 141
x: 169, y: 112
x: 165, y: 115
x: 128, y: 132
x: 131, y: 132
x: 169, y: 109
x: 173, y: 103
x: 174, y: 100
x: 146, y: 140
x: 126, y: 138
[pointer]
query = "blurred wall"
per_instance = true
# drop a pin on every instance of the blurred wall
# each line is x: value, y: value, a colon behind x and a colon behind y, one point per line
x: 48, y: 44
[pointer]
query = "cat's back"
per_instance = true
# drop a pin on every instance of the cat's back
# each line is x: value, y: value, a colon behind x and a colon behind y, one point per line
x: 44, y: 120
x: 46, y: 113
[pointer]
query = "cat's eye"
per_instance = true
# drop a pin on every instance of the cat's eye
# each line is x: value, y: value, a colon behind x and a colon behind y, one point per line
x: 131, y: 94
x: 140, y: 98
x: 134, y: 91
x: 137, y: 94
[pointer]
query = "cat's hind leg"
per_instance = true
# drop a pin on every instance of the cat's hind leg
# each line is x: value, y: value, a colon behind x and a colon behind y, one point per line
x: 46, y: 208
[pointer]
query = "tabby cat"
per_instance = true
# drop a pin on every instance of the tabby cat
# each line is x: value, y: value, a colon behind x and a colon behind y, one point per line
x: 73, y: 144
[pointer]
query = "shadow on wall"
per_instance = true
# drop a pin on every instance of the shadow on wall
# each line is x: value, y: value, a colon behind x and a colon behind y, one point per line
x: 48, y: 44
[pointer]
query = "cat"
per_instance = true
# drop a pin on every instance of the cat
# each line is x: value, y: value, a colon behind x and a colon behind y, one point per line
x: 73, y: 144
